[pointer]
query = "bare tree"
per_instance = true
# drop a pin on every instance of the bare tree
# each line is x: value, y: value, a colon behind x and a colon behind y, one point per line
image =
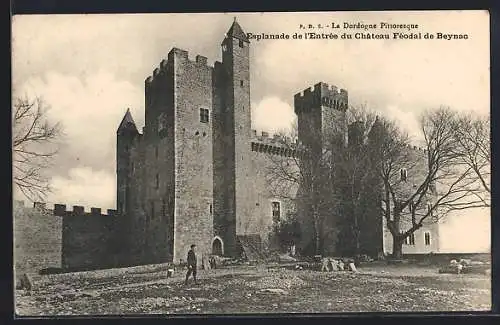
x: 304, y: 174
x: 34, y: 146
x: 472, y: 134
x: 422, y: 186
x: 354, y: 174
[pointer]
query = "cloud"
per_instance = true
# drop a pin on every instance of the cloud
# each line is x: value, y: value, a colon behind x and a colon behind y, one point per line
x: 90, y: 109
x: 272, y: 115
x: 408, y: 121
x: 90, y: 68
x: 85, y: 186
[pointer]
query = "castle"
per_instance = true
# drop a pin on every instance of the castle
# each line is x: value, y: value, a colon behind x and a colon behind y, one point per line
x: 197, y: 171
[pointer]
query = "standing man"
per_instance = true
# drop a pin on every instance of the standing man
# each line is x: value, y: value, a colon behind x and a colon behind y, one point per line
x: 191, y: 264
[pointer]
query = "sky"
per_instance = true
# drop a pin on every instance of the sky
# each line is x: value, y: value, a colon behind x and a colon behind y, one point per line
x: 91, y: 68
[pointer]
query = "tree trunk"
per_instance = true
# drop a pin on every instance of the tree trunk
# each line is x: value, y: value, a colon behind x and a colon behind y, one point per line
x: 356, y: 232
x: 397, y: 247
x: 317, y: 237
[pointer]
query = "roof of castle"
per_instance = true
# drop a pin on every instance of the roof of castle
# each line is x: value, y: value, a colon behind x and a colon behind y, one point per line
x: 237, y: 32
x: 128, y: 122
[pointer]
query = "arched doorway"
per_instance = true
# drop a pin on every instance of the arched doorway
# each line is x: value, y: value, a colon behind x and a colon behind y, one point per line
x: 217, y: 246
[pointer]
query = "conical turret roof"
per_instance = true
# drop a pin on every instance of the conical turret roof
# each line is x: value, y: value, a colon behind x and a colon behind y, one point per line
x: 237, y: 32
x: 127, y: 122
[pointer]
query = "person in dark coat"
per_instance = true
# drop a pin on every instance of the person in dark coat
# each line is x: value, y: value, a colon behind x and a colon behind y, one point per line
x: 191, y: 264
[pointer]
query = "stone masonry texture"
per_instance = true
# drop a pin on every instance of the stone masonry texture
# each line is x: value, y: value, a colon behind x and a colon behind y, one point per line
x: 196, y: 173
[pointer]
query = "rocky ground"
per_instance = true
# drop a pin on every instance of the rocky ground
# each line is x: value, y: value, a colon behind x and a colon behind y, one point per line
x: 246, y: 289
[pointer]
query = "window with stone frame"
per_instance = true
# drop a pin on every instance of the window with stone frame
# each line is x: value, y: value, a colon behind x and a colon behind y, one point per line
x: 432, y: 187
x: 276, y: 211
x: 410, y: 240
x: 411, y: 206
x: 404, y: 174
x: 204, y: 115
x: 430, y: 210
x: 427, y: 238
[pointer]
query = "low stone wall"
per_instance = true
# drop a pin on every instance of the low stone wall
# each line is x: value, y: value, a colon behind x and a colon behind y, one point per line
x: 37, y: 239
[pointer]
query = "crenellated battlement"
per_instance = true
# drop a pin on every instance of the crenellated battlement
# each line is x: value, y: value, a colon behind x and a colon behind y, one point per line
x: 199, y: 60
x: 416, y: 148
x: 276, y: 144
x: 321, y: 94
x: 79, y: 211
x: 265, y: 137
x: 184, y: 55
x: 41, y: 206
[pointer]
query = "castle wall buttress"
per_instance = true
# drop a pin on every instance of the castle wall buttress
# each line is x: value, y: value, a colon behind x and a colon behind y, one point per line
x: 193, y: 154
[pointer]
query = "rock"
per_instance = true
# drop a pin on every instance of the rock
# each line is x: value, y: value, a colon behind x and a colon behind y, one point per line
x: 325, y: 264
x: 465, y: 261
x: 24, y: 283
x: 274, y: 290
x: 352, y: 267
x: 286, y: 258
x: 452, y: 268
x: 89, y: 294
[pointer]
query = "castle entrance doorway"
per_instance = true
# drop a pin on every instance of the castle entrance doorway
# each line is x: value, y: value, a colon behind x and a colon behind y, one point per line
x: 217, y: 246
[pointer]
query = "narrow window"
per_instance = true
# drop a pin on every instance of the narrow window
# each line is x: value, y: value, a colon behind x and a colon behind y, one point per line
x: 427, y: 239
x: 404, y: 174
x: 210, y: 208
x: 241, y: 83
x: 241, y: 44
x: 432, y: 188
x: 276, y: 209
x: 156, y: 152
x: 412, y: 239
x: 152, y: 210
x: 157, y: 181
x: 204, y: 115
x: 429, y: 209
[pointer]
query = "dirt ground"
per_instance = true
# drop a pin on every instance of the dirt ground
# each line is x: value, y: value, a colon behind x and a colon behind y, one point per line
x: 245, y: 289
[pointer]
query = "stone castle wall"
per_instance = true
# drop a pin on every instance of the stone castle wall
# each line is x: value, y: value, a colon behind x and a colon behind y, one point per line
x: 89, y: 238
x: 193, y: 156
x: 38, y: 240
x: 268, y: 154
